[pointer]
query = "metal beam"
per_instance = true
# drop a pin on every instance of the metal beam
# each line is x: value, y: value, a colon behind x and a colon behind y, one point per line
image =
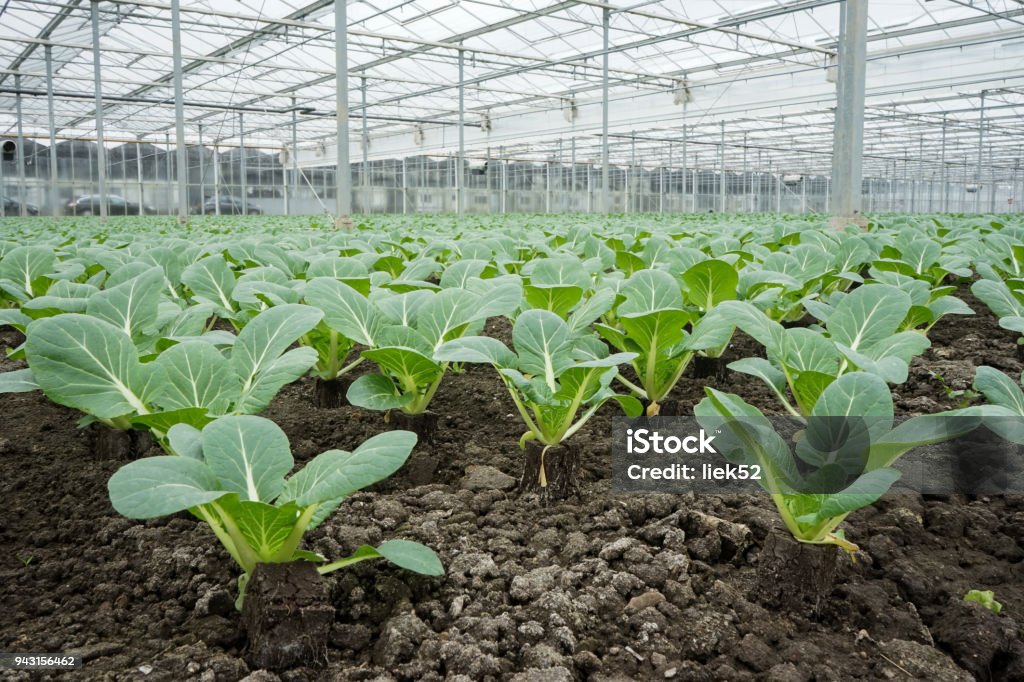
x: 44, y: 34
x: 768, y: 93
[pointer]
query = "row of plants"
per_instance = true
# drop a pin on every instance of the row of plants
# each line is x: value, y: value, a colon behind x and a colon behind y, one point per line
x: 191, y: 336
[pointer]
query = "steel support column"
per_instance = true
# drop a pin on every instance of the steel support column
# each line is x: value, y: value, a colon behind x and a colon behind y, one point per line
x: 179, y: 114
x: 721, y: 169
x: 20, y: 151
x: 343, y: 173
x: 460, y: 194
x: 669, y: 171
x: 942, y: 168
x: 202, y: 172
x: 573, y: 163
x: 848, y: 135
x: 52, y: 194
x: 746, y: 195
x: 243, y: 165
x: 981, y: 152
x: 685, y: 171
x: 138, y: 171
x: 216, y: 179
x: 606, y: 197
x: 168, y: 173
x: 295, y: 157
x: 101, y: 151
x: 364, y: 183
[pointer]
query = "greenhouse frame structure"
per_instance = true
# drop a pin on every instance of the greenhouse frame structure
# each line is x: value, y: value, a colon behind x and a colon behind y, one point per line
x: 495, y: 105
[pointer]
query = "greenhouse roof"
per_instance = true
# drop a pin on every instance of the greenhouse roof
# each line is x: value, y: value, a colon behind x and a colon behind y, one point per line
x: 752, y: 74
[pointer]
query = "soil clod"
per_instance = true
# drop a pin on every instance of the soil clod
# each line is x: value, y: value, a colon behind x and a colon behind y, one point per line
x: 287, y: 616
x: 795, y: 576
x: 329, y: 394
x: 550, y: 471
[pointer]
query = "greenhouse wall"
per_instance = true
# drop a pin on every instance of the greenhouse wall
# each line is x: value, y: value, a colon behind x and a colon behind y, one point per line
x: 146, y: 173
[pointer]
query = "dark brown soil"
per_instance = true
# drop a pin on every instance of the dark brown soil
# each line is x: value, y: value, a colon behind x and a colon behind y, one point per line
x: 598, y: 587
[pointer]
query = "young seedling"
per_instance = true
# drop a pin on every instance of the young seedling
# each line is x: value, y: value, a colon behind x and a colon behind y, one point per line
x: 233, y: 475
x: 853, y: 416
x: 860, y: 334
x: 652, y: 320
x: 403, y: 333
x: 551, y: 376
x: 986, y: 598
x: 89, y: 364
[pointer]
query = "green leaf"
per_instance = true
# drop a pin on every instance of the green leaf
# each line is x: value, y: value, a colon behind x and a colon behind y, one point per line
x: 186, y: 441
x: 765, y: 371
x: 922, y: 430
x: 648, y: 291
x: 196, y: 375
x: 18, y: 381
x: 600, y: 302
x: 412, y: 556
x: 249, y: 455
x: 211, y: 281
x: 557, y: 299
x: 443, y: 314
x: 406, y: 364
x: 157, y: 486
x: 337, y: 474
x: 131, y: 306
x: 345, y: 310
x: 26, y: 265
x: 166, y: 420
x: 543, y: 342
x: 999, y: 389
x: 867, y: 315
x: 90, y: 365
x: 709, y: 283
x: 998, y: 297
x: 481, y: 349
x: 257, y: 354
x: 986, y: 598
x: 809, y: 351
x: 905, y: 346
x: 376, y: 392
x: 808, y: 387
x: 857, y: 394
x: 266, y: 528
x: 862, y: 492
x: 755, y: 323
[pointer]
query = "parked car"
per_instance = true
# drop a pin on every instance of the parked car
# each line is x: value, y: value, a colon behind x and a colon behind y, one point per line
x: 12, y: 207
x: 89, y: 204
x: 228, y: 205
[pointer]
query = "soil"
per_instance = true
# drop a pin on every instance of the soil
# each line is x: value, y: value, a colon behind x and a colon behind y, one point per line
x: 597, y: 587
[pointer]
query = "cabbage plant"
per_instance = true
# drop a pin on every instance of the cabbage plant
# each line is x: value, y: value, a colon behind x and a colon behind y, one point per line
x: 552, y: 374
x: 1005, y: 300
x: 403, y: 333
x: 652, y: 321
x: 860, y: 333
x: 91, y: 365
x: 855, y: 410
x: 233, y: 475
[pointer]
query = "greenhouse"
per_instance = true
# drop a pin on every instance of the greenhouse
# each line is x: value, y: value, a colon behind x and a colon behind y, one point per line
x: 533, y: 341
